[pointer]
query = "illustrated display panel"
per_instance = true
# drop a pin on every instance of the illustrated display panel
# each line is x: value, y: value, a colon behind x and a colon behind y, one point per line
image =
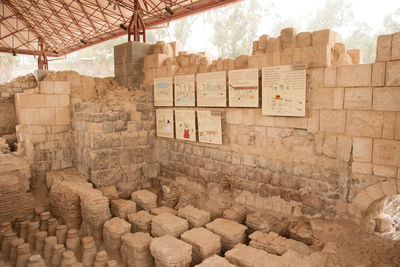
x: 283, y: 91
x: 243, y: 88
x: 209, y: 126
x: 163, y: 92
x: 211, y: 89
x: 184, y: 91
x: 165, y: 122
x: 185, y: 125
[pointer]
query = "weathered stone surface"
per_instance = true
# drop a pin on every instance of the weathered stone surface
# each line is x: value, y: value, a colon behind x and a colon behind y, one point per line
x: 170, y: 251
x: 393, y: 73
x: 168, y: 224
x: 359, y: 98
x: 163, y: 209
x: 364, y: 123
x: 195, y: 217
x: 113, y: 230
x: 215, y: 261
x: 362, y: 149
x: 383, y: 48
x: 333, y: 121
x: 205, y: 243
x: 121, y: 208
x: 263, y: 222
x: 145, y: 199
x: 386, y: 152
x: 386, y: 98
x: 135, y: 249
x: 275, y: 244
x: 354, y: 75
x: 231, y: 232
x: 242, y: 255
x: 141, y: 221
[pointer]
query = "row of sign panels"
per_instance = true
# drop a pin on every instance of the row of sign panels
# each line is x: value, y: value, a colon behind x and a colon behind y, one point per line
x: 211, y: 89
x: 283, y: 90
x: 208, y: 125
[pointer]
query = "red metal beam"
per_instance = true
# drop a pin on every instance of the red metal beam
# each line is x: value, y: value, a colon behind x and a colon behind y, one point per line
x: 156, y: 17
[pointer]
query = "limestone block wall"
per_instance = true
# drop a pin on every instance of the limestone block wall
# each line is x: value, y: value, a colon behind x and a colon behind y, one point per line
x: 113, y: 132
x: 348, y: 141
x: 128, y: 63
x: 44, y: 128
x: 114, y: 146
x: 8, y: 119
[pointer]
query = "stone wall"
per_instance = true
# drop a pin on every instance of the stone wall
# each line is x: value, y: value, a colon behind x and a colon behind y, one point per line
x: 7, y: 106
x: 128, y: 63
x: 321, y: 163
x: 44, y: 128
x: 113, y: 131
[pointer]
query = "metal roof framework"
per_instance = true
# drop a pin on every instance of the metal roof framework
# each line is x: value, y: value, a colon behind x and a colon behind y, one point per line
x: 64, y: 26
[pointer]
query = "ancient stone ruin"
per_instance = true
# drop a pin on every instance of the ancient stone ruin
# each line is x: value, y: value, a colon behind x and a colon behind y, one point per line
x: 88, y: 178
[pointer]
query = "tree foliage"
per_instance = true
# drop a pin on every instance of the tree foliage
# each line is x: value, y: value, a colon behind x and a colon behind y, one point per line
x: 235, y: 27
x: 333, y: 15
x: 392, y: 22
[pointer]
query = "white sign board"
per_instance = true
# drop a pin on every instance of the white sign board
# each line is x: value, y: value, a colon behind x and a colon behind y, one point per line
x: 185, y: 125
x: 165, y: 122
x: 184, y: 91
x: 243, y: 88
x: 209, y: 126
x: 283, y: 91
x: 211, y: 89
x: 163, y: 92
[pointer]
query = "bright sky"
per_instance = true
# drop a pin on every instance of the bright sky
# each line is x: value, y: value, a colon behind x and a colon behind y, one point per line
x: 371, y: 12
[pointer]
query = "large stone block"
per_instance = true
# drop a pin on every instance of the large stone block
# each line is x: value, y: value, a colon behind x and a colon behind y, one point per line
x: 204, y: 242
x: 258, y: 61
x: 358, y: 98
x: 364, y: 123
x: 113, y: 230
x: 389, y: 125
x: 324, y: 38
x: 121, y: 208
x: 47, y: 116
x: 383, y: 47
x: 333, y: 121
x: 385, y: 171
x: 195, y: 217
x: 378, y: 74
x: 145, y: 199
x: 141, y: 221
x: 168, y: 224
x: 170, y: 251
x: 330, y: 77
x: 395, y: 47
x: 288, y: 38
x: 354, y: 75
x: 62, y: 116
x: 322, y: 98
x: 215, y: 261
x: 386, y: 152
x: 362, y: 149
x: 304, y: 39
x: 386, y: 98
x: 231, y: 232
x: 393, y: 73
x: 110, y: 176
x: 361, y: 167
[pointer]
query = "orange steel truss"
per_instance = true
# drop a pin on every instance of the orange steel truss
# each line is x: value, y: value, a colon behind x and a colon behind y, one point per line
x: 52, y: 28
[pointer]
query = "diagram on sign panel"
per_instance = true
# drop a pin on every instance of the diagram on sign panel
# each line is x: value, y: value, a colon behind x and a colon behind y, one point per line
x: 184, y: 93
x: 184, y: 90
x: 209, y: 125
x: 281, y: 100
x: 185, y: 125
